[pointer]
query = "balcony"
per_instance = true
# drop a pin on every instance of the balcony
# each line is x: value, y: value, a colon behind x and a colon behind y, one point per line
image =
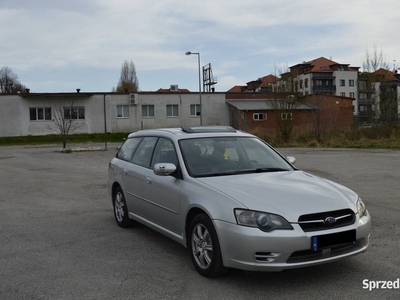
x: 366, y: 101
x: 322, y: 76
x: 329, y: 89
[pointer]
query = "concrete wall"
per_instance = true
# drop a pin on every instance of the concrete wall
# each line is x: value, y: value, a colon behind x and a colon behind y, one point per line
x: 15, y: 118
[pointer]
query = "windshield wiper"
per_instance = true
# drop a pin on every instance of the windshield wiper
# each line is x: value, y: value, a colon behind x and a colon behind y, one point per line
x: 258, y: 170
x: 261, y: 170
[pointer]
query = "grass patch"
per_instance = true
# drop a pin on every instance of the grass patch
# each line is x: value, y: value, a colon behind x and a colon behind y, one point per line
x: 55, y: 139
x: 362, y: 138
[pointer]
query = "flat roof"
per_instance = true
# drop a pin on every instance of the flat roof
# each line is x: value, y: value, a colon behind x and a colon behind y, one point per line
x: 266, y: 104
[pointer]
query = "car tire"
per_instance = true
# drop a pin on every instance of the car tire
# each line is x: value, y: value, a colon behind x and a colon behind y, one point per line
x: 204, y: 247
x: 120, y: 209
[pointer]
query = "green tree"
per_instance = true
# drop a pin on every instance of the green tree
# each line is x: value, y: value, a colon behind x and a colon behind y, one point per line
x: 128, y: 81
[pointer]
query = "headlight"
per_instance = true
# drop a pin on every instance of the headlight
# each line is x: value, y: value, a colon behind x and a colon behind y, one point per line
x: 264, y: 221
x: 361, y: 210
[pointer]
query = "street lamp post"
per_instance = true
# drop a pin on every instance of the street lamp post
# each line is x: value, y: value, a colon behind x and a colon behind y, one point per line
x: 198, y: 62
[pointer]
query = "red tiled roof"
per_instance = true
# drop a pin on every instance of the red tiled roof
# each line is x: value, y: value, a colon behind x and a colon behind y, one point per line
x: 321, y: 64
x: 267, y: 80
x: 236, y: 89
x: 386, y: 75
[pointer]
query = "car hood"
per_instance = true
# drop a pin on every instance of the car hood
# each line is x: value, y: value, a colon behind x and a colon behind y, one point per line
x: 289, y: 194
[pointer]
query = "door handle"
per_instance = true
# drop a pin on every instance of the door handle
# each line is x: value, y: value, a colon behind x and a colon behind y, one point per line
x: 125, y: 171
x: 149, y: 180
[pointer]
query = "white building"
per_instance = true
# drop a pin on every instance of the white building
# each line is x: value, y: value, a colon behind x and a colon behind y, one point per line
x: 321, y: 76
x: 34, y: 113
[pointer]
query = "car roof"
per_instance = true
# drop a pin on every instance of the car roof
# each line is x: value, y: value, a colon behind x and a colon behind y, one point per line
x: 191, y: 132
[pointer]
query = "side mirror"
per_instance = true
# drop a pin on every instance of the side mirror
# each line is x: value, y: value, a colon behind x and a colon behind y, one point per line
x: 291, y: 159
x: 164, y: 169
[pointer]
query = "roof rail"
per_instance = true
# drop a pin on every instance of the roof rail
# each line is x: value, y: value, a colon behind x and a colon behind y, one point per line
x: 204, y: 129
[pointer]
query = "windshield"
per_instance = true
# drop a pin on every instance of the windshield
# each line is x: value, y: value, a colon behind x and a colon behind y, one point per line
x: 229, y: 156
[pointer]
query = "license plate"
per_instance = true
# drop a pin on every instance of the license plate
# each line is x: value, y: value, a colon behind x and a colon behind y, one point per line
x: 334, y: 239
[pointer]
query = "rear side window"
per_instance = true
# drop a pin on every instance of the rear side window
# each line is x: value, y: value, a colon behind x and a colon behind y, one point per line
x: 128, y: 148
x: 144, y: 152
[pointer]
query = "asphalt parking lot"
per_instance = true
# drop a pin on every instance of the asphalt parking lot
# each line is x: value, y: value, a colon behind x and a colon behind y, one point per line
x: 59, y: 240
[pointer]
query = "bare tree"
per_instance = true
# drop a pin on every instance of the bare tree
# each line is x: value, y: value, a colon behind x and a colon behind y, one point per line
x: 374, y: 60
x: 65, y: 116
x: 375, y: 82
x: 9, y: 82
x: 388, y: 108
x: 284, y: 105
x: 280, y: 69
x: 128, y: 81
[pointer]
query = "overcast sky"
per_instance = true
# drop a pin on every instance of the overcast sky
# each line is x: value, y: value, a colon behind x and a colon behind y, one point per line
x: 61, y: 45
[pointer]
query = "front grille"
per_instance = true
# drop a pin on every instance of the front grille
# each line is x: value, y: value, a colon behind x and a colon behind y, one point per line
x: 327, y: 220
x: 338, y: 250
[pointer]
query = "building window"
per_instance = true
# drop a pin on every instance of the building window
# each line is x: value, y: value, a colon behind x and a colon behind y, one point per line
x: 301, y: 84
x: 195, y: 110
x: 147, y: 111
x: 352, y: 95
x: 172, y: 111
x: 343, y: 94
x: 318, y: 82
x: 351, y: 82
x: 306, y: 83
x: 259, y: 117
x: 286, y: 116
x: 40, y: 113
x: 342, y: 82
x: 74, y: 113
x: 122, y: 111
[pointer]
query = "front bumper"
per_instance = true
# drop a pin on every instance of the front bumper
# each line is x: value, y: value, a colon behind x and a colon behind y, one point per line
x: 251, y: 249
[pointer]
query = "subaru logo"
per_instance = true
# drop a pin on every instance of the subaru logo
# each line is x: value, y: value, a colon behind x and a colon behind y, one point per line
x: 329, y: 221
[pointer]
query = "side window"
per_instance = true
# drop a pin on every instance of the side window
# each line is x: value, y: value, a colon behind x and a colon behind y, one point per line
x: 128, y: 148
x: 144, y: 152
x: 164, y: 153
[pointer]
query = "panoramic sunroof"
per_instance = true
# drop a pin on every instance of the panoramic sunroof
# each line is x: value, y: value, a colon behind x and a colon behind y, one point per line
x: 203, y: 129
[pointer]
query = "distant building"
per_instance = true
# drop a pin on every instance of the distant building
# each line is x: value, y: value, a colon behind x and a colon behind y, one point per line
x: 321, y: 76
x: 261, y: 85
x: 261, y: 112
x: 33, y: 113
x: 379, y: 96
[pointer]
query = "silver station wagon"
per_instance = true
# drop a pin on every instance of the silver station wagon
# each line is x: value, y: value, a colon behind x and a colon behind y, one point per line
x: 234, y: 201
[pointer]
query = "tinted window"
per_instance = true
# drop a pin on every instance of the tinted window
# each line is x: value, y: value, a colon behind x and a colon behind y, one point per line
x: 128, y: 148
x: 144, y: 152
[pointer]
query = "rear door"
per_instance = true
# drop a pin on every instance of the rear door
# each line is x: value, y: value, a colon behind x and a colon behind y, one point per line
x: 135, y: 173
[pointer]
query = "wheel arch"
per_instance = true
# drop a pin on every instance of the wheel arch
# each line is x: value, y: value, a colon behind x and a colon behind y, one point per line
x: 192, y: 213
x: 113, y: 189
